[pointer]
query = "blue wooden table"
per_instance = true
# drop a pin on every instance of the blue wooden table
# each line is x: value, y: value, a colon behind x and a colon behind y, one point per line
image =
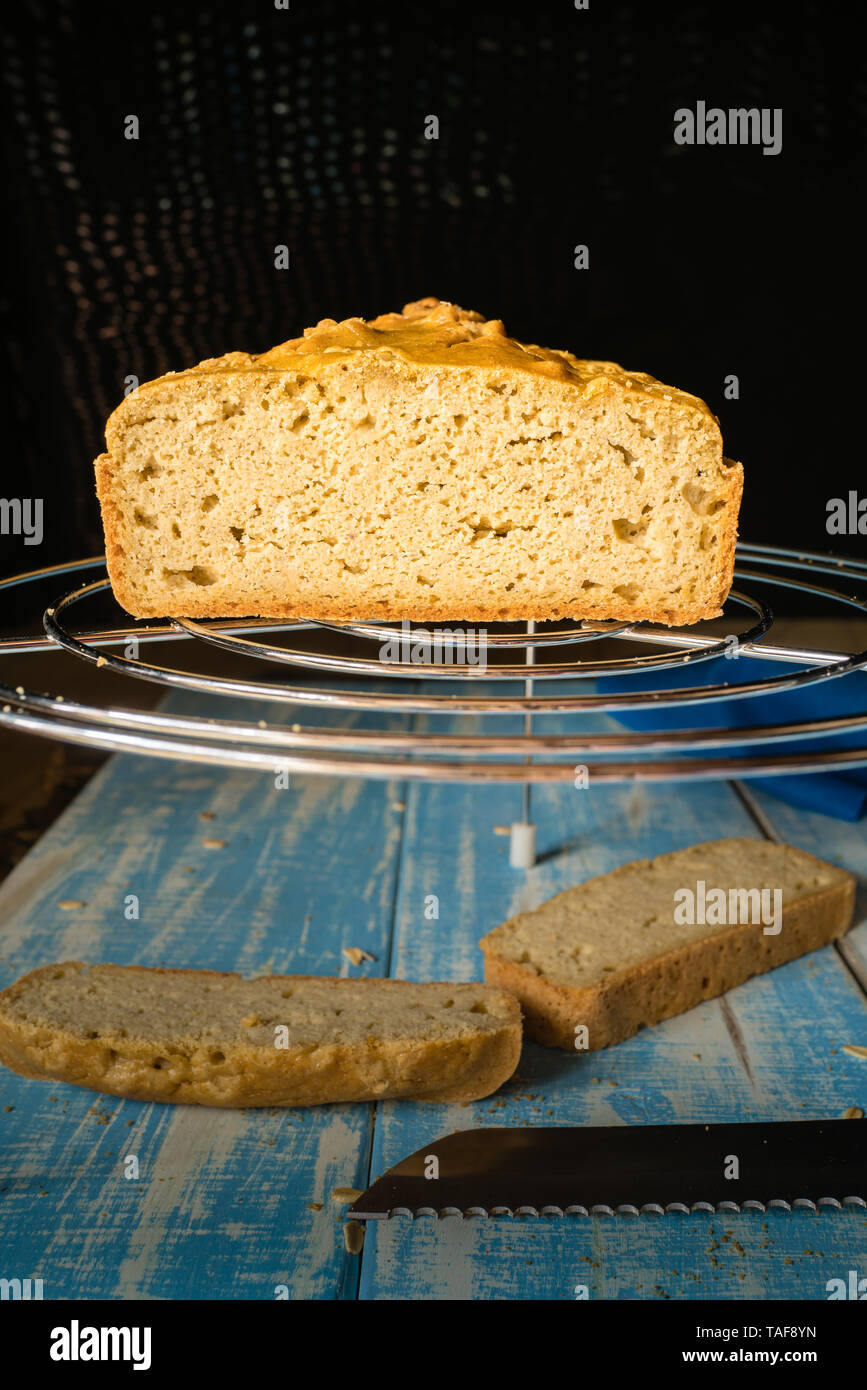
x: 238, y: 1204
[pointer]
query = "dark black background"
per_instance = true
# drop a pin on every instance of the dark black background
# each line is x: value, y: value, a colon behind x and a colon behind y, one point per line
x: 305, y: 127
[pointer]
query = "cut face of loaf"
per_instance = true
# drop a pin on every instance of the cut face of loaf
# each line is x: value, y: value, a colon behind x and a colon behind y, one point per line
x: 653, y: 939
x: 198, y: 1037
x: 421, y: 466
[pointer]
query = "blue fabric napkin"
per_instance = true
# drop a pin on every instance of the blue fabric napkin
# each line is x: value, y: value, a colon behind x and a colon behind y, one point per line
x: 842, y: 794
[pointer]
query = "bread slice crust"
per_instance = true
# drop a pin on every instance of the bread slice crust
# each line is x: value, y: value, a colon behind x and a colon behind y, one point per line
x: 672, y: 981
x: 293, y: 484
x: 472, y: 1058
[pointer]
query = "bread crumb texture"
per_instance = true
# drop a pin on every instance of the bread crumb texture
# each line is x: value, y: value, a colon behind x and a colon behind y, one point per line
x: 353, y: 1237
x: 611, y: 956
x: 200, y: 1037
x: 425, y: 466
x: 356, y: 955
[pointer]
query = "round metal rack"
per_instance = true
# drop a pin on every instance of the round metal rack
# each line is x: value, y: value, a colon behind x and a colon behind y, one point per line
x: 404, y: 669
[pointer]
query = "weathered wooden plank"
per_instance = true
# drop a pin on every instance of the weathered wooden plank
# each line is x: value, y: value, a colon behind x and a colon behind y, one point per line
x: 773, y: 1256
x: 763, y: 1053
x: 840, y: 842
x: 221, y: 1206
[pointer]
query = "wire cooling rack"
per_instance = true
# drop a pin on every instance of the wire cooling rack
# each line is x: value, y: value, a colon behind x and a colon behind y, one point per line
x: 529, y: 675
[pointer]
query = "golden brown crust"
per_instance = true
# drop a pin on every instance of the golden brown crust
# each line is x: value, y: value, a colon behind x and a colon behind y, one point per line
x: 429, y: 332
x: 729, y: 538
x: 115, y: 559
x: 466, y: 1067
x: 671, y: 983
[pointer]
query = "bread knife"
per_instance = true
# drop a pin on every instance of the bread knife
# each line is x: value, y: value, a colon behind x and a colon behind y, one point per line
x: 629, y: 1169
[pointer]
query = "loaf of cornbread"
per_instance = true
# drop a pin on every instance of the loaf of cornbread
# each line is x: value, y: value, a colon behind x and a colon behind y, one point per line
x: 199, y: 1037
x: 658, y: 936
x: 423, y: 466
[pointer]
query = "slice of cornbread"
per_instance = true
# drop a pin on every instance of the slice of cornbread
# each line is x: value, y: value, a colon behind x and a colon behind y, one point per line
x: 658, y: 936
x: 200, y: 1037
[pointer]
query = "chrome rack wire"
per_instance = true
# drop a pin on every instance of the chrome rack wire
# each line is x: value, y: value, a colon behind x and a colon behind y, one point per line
x: 560, y: 683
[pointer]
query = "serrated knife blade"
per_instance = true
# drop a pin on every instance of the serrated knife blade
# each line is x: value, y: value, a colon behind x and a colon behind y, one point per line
x: 628, y: 1169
